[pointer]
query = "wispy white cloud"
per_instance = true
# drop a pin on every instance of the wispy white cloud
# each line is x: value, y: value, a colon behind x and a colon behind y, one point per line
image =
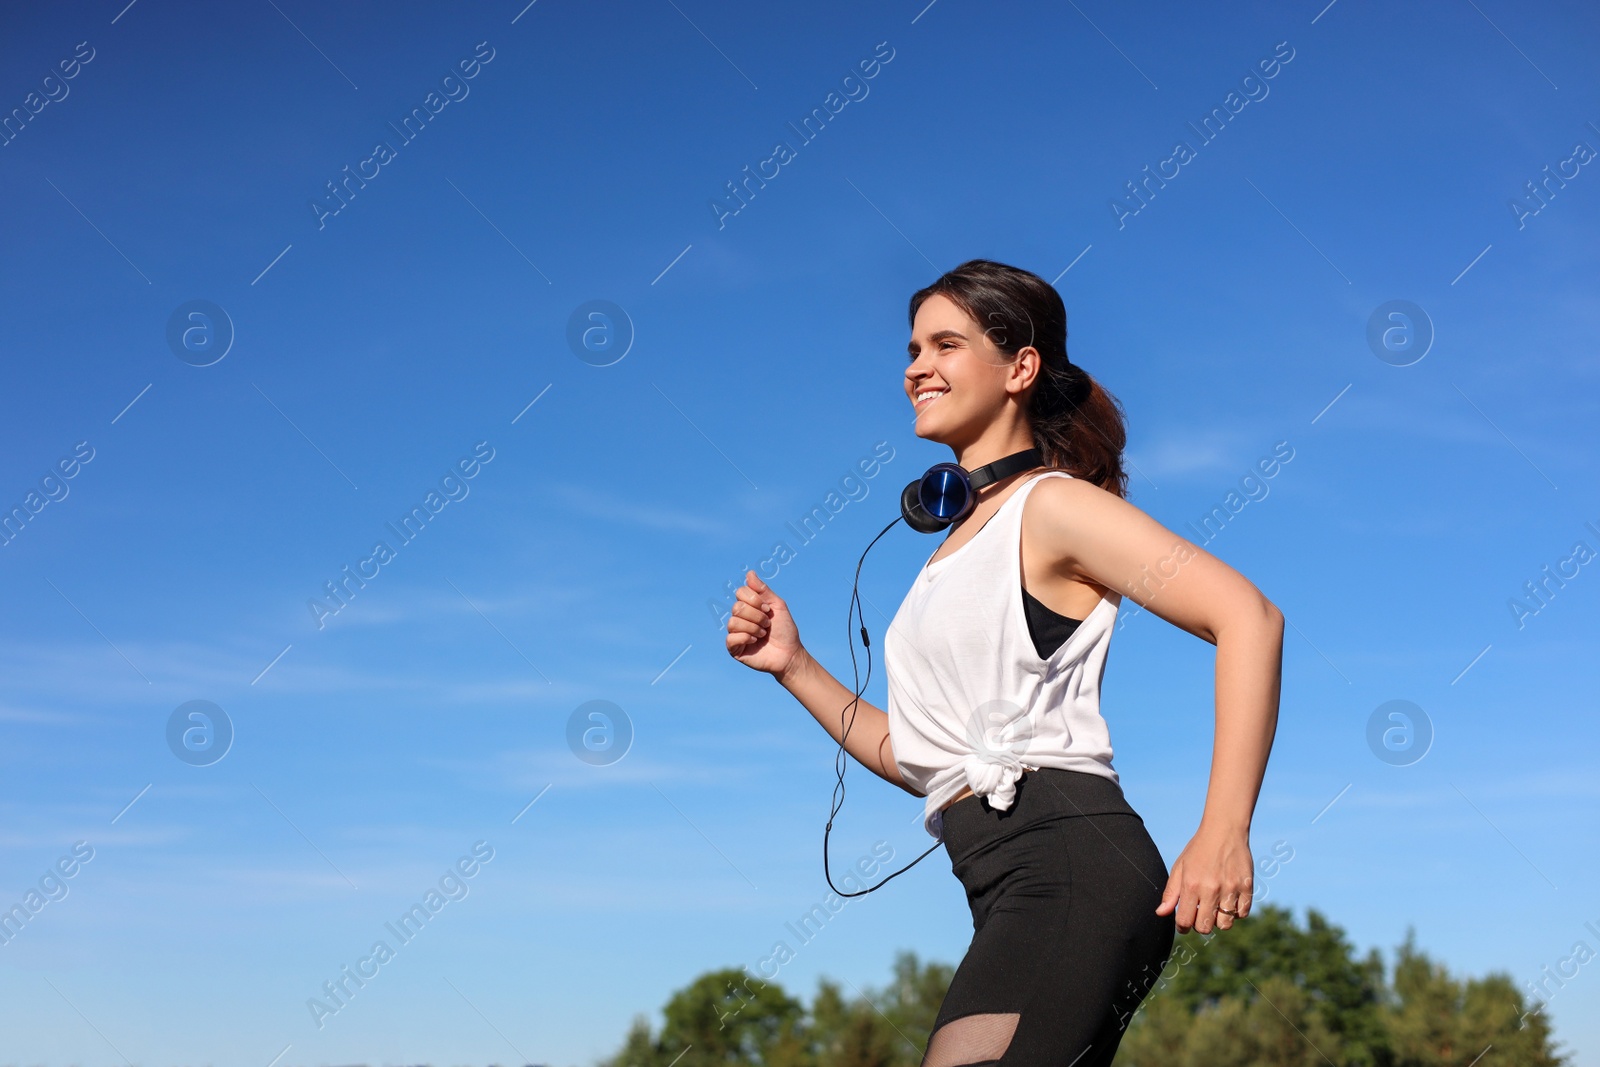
x: 527, y: 771
x: 599, y: 505
x: 1210, y: 450
x: 43, y: 716
x: 94, y: 675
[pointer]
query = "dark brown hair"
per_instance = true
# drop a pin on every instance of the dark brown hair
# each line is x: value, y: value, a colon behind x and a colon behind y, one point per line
x: 1076, y: 423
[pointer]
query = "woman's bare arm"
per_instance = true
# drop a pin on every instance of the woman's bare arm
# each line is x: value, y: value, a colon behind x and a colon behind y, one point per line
x: 763, y: 636
x: 1091, y: 532
x: 829, y: 702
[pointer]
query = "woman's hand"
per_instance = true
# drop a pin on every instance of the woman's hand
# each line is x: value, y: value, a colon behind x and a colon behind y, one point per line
x: 761, y: 632
x: 1213, y: 872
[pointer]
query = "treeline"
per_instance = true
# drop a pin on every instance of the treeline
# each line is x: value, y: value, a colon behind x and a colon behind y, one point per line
x: 1267, y: 993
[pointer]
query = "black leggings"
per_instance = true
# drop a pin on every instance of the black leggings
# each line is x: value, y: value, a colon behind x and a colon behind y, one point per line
x: 1063, y: 888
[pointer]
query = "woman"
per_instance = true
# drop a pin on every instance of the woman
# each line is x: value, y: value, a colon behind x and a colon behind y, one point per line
x: 994, y: 663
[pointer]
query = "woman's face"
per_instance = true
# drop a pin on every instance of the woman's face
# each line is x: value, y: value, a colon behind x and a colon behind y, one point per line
x: 957, y: 380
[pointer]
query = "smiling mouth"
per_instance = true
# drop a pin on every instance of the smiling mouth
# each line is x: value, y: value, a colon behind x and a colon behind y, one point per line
x: 921, y: 402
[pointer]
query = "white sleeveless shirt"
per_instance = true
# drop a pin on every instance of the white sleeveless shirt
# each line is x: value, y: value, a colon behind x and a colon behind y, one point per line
x: 971, y: 704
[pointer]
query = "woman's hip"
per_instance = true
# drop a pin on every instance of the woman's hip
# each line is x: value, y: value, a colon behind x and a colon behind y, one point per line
x: 972, y: 825
x: 1065, y: 930
x: 1071, y: 839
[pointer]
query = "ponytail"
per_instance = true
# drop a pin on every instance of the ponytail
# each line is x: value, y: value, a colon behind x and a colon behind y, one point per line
x: 1078, y: 426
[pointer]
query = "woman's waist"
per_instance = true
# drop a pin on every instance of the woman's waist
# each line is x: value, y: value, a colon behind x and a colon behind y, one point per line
x: 988, y: 753
x: 970, y: 822
x: 933, y: 753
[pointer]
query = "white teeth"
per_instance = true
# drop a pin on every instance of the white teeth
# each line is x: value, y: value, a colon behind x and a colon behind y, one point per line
x: 930, y: 393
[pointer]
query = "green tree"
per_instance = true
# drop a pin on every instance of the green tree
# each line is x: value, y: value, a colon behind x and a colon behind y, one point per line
x: 1434, y: 1020
x: 1282, y: 1025
x: 886, y: 1027
x: 849, y: 1033
x: 1281, y: 995
x: 638, y: 1048
x: 1158, y: 1035
x: 910, y: 1002
x: 723, y: 1018
x: 1267, y: 993
x: 732, y: 1017
x: 1207, y: 969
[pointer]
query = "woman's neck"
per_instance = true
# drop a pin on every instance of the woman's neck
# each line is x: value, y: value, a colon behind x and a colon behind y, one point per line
x: 981, y: 453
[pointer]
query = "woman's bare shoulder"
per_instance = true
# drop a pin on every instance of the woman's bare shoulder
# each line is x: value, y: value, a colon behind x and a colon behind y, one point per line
x: 1070, y: 517
x: 1061, y: 498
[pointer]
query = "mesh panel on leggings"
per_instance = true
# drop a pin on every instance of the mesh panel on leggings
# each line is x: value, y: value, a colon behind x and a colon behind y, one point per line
x: 971, y: 1040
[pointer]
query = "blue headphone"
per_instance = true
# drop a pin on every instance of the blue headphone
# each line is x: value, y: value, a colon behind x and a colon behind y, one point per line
x: 947, y: 493
x: 942, y: 497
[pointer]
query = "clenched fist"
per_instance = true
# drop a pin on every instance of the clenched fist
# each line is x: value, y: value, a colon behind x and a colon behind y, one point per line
x: 761, y: 632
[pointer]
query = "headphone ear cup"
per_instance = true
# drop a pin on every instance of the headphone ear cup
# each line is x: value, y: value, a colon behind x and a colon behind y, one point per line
x: 915, y: 514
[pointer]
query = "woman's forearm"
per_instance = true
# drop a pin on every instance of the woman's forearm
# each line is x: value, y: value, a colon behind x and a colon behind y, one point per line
x: 1249, y: 678
x: 829, y: 702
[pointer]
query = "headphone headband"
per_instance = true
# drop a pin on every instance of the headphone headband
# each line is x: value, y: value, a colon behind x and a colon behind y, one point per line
x: 948, y: 492
x: 990, y: 473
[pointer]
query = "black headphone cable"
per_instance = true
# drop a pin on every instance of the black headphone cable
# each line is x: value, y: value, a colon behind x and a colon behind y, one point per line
x: 841, y: 760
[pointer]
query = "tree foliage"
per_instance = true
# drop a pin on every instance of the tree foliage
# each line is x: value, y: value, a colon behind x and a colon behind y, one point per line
x: 1267, y: 993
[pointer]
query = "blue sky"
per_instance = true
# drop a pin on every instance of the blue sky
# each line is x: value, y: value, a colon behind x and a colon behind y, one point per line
x: 381, y: 351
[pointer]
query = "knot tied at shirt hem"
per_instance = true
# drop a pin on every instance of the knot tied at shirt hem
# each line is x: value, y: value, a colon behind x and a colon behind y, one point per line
x: 994, y: 775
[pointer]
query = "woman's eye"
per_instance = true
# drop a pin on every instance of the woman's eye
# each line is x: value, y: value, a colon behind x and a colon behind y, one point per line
x: 912, y: 357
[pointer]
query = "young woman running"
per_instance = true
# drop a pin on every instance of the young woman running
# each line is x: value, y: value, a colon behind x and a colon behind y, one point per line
x: 994, y: 663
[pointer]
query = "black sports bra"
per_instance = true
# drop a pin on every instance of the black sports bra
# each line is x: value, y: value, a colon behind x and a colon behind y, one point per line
x: 1049, y: 630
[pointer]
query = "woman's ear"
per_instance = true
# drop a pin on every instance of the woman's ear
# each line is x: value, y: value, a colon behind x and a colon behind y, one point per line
x: 1024, y: 370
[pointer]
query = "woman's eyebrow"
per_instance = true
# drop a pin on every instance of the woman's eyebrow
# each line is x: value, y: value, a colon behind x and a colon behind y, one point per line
x: 935, y: 338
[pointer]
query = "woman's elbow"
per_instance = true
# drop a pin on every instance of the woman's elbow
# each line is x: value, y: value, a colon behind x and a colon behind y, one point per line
x: 1271, y: 618
x: 1255, y: 619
